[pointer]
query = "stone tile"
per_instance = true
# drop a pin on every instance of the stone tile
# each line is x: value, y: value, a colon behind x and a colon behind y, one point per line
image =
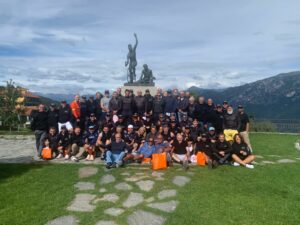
x: 133, y: 199
x: 145, y: 185
x: 87, y: 171
x: 114, y: 211
x: 139, y: 217
x: 181, y: 180
x: 102, y: 190
x: 167, y: 194
x: 286, y: 161
x: 125, y: 174
x: 106, y: 179
x: 268, y: 162
x: 106, y: 222
x: 123, y: 186
x: 111, y: 197
x: 83, y: 186
x: 81, y: 203
x: 135, y: 178
x: 63, y: 220
x: 149, y: 200
x: 164, y: 206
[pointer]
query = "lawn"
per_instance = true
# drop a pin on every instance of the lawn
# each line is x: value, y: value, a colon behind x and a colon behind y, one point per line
x: 269, y: 194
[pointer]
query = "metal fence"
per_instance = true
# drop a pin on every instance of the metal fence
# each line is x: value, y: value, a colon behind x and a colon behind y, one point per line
x: 280, y: 125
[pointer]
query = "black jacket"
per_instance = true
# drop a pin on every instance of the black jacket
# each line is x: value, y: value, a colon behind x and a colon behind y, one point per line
x: 40, y: 121
x: 53, y: 118
x: 64, y: 114
x: 231, y: 121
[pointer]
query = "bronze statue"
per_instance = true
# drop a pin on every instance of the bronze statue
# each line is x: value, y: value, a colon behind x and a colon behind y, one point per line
x: 147, y: 75
x: 131, y: 60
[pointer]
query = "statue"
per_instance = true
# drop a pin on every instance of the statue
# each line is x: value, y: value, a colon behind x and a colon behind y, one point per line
x: 146, y: 76
x: 131, y: 60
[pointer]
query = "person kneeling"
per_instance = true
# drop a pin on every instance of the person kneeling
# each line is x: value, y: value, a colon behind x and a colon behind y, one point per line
x: 241, y: 153
x: 116, y: 152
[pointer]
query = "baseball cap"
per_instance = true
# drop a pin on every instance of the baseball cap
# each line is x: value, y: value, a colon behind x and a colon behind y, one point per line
x: 63, y: 127
x: 63, y: 101
x: 106, y: 92
x: 92, y: 114
x: 92, y: 127
x: 130, y: 126
x: 240, y: 107
x: 52, y: 105
x: 225, y: 102
x: 211, y: 129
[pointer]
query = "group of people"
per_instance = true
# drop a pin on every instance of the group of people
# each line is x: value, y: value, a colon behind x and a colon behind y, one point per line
x: 132, y: 127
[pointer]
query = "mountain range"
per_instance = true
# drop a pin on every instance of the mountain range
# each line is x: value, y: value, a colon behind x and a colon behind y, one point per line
x: 276, y: 97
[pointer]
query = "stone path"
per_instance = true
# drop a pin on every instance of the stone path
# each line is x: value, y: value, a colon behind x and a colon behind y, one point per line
x: 83, y: 186
x: 82, y: 203
x: 139, y: 217
x: 133, y: 200
x: 64, y: 220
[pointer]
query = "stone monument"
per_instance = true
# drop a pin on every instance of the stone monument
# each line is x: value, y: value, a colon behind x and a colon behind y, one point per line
x: 146, y: 80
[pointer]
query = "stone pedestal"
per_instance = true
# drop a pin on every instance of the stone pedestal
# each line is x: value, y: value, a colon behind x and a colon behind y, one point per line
x: 152, y: 89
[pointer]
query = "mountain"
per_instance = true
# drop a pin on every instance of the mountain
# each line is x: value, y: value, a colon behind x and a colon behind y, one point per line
x: 277, y: 97
x: 57, y: 97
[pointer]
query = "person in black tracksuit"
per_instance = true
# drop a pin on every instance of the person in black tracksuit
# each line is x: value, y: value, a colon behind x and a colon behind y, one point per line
x: 53, y: 116
x: 64, y: 113
x: 127, y: 105
x: 218, y: 119
x: 205, y: 146
x: 39, y: 125
x: 140, y: 104
x: 148, y: 102
x: 52, y: 136
x: 221, y: 150
x: 200, y: 110
x: 158, y: 107
x: 63, y: 143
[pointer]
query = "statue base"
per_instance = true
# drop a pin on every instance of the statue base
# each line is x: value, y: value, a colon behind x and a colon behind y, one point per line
x: 142, y: 88
x: 139, y: 84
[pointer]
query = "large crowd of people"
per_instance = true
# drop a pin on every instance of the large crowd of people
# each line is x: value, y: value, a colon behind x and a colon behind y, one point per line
x: 127, y: 128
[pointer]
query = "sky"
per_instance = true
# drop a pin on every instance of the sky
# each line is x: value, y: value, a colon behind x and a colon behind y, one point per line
x: 80, y: 46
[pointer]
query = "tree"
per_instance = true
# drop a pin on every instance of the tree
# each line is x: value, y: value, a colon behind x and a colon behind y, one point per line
x: 8, y: 112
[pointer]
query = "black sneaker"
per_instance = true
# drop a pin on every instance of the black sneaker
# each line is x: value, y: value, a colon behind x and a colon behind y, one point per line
x: 215, y: 164
x: 108, y: 165
x: 114, y: 165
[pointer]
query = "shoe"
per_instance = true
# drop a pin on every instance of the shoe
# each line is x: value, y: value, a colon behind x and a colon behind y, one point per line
x: 92, y: 158
x: 249, y: 166
x: 210, y: 164
x: 185, y: 165
x: 114, y: 165
x: 235, y: 164
x: 215, y: 164
x: 59, y: 156
x: 108, y: 165
x: 88, y: 158
x: 74, y: 159
x: 67, y: 157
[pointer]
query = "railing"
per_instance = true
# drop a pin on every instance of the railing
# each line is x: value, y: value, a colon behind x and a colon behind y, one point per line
x: 279, y: 125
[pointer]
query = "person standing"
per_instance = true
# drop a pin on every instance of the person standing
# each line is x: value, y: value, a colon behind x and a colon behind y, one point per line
x: 182, y: 107
x: 245, y: 126
x: 139, y: 101
x: 105, y: 104
x: 53, y: 116
x: 39, y: 125
x: 75, y: 107
x: 64, y: 116
x: 127, y: 105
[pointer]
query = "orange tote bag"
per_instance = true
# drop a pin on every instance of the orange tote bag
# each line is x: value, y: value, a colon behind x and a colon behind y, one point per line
x: 201, y: 159
x: 159, y: 161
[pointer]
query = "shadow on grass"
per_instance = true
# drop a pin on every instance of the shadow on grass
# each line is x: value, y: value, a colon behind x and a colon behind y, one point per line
x: 8, y: 170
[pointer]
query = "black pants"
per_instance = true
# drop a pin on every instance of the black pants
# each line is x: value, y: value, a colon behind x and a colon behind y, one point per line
x: 221, y: 159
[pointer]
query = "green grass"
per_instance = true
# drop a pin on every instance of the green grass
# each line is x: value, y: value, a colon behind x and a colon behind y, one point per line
x: 270, y: 194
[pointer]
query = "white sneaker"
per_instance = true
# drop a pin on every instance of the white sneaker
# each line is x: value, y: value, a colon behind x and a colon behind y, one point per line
x: 73, y: 158
x: 249, y: 166
x: 67, y: 157
x: 59, y: 156
x: 236, y: 164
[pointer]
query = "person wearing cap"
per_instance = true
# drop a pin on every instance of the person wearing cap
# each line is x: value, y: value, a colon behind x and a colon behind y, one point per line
x: 64, y: 116
x: 225, y: 106
x: 121, y: 122
x: 170, y: 103
x: 204, y: 145
x: 241, y: 153
x: 75, y: 108
x: 182, y: 106
x: 145, y: 150
x: 212, y: 136
x: 90, y: 140
x: 106, y: 122
x: 245, y: 126
x: 116, y: 151
x: 53, y: 116
x: 221, y: 150
x: 140, y: 103
x: 136, y: 122
x: 231, y: 124
x: 127, y: 105
x: 219, y: 117
x: 92, y: 121
x: 130, y: 136
x: 63, y: 143
x: 105, y: 104
x: 158, y: 107
x: 40, y: 126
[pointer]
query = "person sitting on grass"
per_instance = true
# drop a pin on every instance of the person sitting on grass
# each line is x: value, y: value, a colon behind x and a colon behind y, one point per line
x: 204, y: 145
x: 221, y: 150
x: 90, y: 140
x: 52, y: 136
x: 163, y: 146
x: 46, y: 148
x: 77, y: 149
x: 104, y: 138
x: 116, y: 151
x: 63, y: 143
x: 179, y: 152
x: 145, y: 150
x: 241, y: 153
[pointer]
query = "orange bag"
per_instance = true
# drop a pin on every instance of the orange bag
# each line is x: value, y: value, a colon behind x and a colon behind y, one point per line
x: 146, y: 160
x: 47, y: 153
x: 159, y: 161
x: 201, y: 159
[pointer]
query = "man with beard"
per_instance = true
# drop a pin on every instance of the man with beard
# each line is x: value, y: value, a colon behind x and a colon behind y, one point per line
x: 231, y: 124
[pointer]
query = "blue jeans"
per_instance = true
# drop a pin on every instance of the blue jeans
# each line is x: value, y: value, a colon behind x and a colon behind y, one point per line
x: 114, y: 157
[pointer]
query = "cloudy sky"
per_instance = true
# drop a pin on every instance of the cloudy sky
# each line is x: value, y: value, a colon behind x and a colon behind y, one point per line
x: 68, y: 46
